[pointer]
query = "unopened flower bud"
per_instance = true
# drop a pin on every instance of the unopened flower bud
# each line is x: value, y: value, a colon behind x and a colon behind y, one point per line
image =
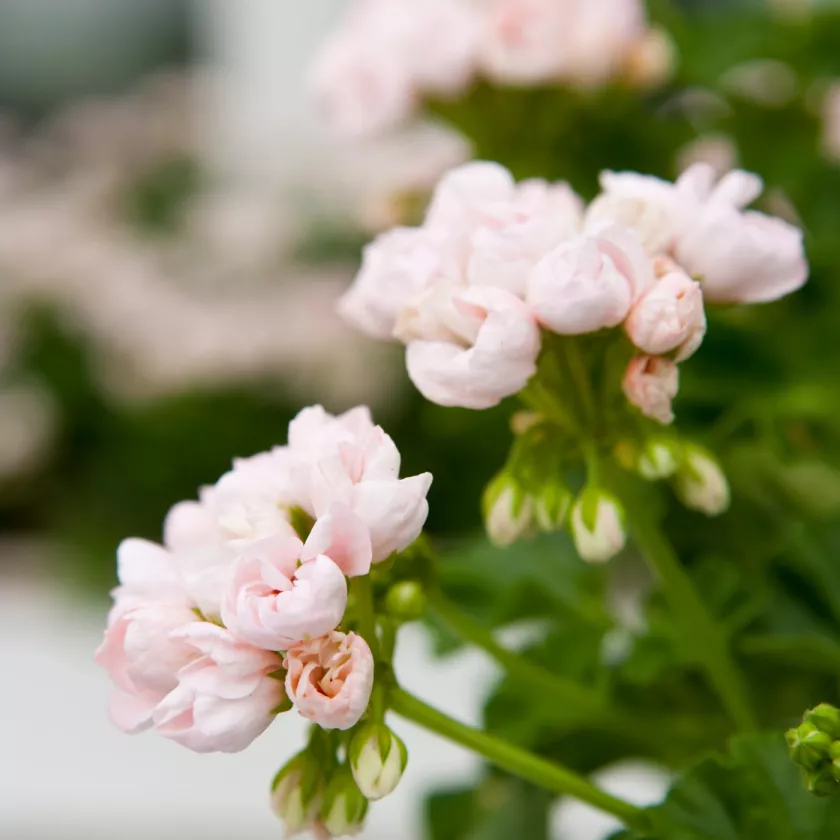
x: 809, y: 747
x: 406, y: 600
x: 700, y: 482
x: 508, y: 510
x: 597, y: 524
x: 378, y: 758
x: 834, y: 755
x: 826, y: 718
x: 344, y: 808
x: 524, y: 420
x: 822, y: 782
x: 551, y: 506
x: 296, y: 793
x: 658, y: 459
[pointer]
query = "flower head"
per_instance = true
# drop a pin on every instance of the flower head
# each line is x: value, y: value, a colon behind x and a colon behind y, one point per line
x: 142, y: 659
x: 591, y: 282
x: 330, y: 679
x: 741, y: 256
x: 274, y: 601
x: 225, y: 697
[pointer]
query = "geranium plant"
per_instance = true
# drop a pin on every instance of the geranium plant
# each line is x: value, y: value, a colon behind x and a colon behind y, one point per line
x: 285, y: 584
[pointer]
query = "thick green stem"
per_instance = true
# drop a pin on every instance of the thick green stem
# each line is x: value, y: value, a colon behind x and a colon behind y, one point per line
x: 700, y: 631
x: 363, y: 593
x: 516, y: 761
x: 569, y: 693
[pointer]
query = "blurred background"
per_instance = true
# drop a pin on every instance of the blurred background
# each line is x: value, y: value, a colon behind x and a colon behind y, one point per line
x: 176, y: 223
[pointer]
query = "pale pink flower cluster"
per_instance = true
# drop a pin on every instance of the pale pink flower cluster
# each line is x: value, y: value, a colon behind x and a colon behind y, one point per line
x: 373, y: 71
x: 198, y: 307
x: 236, y: 616
x: 496, y: 262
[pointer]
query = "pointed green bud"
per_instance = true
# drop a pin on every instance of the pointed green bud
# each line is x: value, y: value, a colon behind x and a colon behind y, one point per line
x: 406, y: 600
x: 821, y: 782
x: 551, y: 506
x: 834, y: 755
x: 508, y: 510
x: 809, y: 748
x: 296, y: 793
x: 658, y: 459
x: 378, y: 759
x: 597, y: 525
x: 700, y: 482
x: 826, y: 718
x: 344, y: 806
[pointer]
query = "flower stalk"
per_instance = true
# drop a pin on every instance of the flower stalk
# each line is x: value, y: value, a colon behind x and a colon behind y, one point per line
x: 566, y: 692
x: 700, y: 631
x: 516, y: 761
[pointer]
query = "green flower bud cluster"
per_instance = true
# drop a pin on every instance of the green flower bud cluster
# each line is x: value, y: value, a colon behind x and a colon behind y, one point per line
x: 317, y: 790
x: 529, y: 494
x: 815, y: 746
x: 695, y: 474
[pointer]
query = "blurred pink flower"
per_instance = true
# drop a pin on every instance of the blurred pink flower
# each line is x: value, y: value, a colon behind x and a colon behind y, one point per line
x: 481, y: 230
x: 507, y: 244
x: 273, y: 601
x: 670, y: 317
x: 361, y: 90
x: 369, y: 75
x: 740, y: 256
x: 225, y: 697
x: 396, y: 266
x: 645, y: 204
x: 573, y: 41
x: 591, y: 282
x: 330, y: 679
x: 524, y: 41
x: 650, y: 384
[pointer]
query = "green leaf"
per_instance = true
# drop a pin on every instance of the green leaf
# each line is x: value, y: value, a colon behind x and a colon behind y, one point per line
x: 536, y: 578
x: 754, y: 793
x: 500, y: 808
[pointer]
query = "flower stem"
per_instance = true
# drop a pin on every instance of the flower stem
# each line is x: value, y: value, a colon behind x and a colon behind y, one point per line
x: 363, y: 594
x: 701, y: 632
x: 580, y: 377
x: 514, y: 760
x: 539, y: 679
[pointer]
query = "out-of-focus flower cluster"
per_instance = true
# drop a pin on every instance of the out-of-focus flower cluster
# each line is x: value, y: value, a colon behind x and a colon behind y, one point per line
x: 388, y: 55
x: 497, y: 265
x: 240, y: 613
x: 177, y: 278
